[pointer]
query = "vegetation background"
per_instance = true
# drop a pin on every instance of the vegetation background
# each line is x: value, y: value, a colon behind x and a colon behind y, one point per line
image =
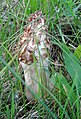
x: 64, y: 20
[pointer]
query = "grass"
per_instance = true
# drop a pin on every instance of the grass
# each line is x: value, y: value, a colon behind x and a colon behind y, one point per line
x: 64, y: 101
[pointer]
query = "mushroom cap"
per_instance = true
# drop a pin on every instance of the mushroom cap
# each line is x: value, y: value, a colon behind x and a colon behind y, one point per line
x: 34, y: 42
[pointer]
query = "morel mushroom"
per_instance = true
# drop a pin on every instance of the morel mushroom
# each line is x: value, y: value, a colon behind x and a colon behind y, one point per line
x: 33, y: 56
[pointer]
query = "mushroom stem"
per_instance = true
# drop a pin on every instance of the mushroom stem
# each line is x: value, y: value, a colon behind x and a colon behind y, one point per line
x: 35, y: 76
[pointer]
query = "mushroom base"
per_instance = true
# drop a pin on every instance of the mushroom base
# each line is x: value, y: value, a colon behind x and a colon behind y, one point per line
x: 35, y: 78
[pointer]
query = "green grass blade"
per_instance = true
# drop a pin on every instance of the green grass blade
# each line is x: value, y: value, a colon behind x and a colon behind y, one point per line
x: 8, y: 112
x: 12, y: 106
x: 73, y: 67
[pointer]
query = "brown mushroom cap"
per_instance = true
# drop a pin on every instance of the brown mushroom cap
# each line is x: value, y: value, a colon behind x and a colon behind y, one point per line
x: 34, y: 41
